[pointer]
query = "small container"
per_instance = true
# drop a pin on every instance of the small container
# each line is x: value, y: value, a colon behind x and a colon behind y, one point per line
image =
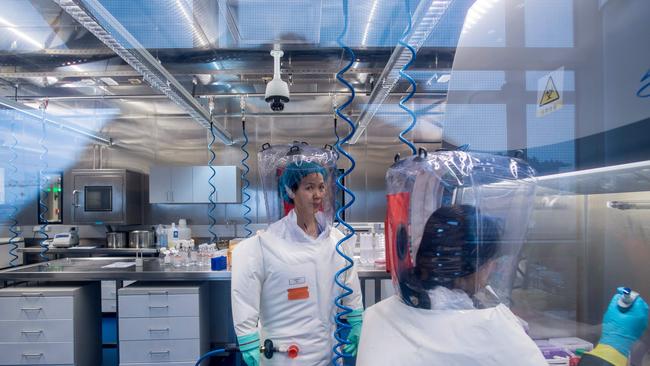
x: 140, y: 239
x: 116, y: 239
x: 218, y: 263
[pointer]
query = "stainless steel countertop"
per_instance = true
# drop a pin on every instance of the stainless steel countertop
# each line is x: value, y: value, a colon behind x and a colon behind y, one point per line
x: 95, y: 250
x: 90, y: 269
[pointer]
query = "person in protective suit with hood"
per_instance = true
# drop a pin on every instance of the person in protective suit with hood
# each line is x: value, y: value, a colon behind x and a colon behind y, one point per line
x: 283, y: 285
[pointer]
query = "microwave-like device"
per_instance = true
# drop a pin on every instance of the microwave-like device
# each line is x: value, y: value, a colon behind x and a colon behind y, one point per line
x: 106, y: 197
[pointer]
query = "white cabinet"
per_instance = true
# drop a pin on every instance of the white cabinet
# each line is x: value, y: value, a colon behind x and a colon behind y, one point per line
x: 163, y: 323
x: 189, y: 184
x: 50, y: 325
x: 227, y: 181
x: 170, y: 184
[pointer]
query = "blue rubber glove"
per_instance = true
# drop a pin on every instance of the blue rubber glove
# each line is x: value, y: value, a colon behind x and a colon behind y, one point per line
x: 355, y: 319
x: 249, y: 346
x: 622, y: 328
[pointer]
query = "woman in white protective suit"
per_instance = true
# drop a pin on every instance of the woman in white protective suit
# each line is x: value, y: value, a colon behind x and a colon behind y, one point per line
x: 455, y: 224
x: 283, y: 285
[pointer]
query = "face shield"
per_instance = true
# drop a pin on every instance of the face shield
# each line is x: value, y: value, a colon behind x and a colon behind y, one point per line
x: 298, y: 169
x: 455, y: 224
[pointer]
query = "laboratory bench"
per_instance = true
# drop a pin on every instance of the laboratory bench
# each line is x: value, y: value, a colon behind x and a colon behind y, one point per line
x: 90, y: 251
x: 153, y: 269
x: 117, y: 275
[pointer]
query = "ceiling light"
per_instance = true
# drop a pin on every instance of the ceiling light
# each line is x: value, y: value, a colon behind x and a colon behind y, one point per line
x: 109, y: 81
x: 20, y: 34
x: 370, y: 18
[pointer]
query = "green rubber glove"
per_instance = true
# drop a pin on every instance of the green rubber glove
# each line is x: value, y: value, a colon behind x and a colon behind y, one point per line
x: 355, y: 319
x: 249, y: 346
x: 622, y: 328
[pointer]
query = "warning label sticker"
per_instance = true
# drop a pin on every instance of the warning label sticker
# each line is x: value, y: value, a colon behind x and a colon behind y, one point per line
x: 549, y: 92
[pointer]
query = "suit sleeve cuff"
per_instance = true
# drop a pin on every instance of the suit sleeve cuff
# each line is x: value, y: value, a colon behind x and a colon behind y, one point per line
x: 609, y: 354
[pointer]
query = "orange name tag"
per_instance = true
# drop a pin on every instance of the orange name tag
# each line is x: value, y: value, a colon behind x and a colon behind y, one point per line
x: 298, y: 293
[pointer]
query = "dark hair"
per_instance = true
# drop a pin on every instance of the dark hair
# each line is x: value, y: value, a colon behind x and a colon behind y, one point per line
x: 456, y: 242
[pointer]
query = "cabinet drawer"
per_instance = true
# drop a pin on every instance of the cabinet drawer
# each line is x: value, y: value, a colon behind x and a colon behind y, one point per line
x: 160, y: 351
x: 134, y: 329
x: 108, y: 292
x: 148, y: 306
x: 36, y: 331
x: 109, y: 306
x: 36, y: 353
x: 35, y: 307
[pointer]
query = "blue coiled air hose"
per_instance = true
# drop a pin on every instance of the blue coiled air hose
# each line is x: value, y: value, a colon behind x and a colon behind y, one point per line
x: 13, y: 173
x: 338, y: 139
x: 213, y: 188
x: 341, y: 326
x: 209, y: 354
x: 42, y: 187
x: 245, y: 182
x: 402, y: 102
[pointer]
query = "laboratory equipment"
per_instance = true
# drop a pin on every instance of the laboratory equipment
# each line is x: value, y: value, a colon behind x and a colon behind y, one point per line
x: 106, y: 196
x: 141, y: 239
x: 184, y: 232
x: 627, y: 297
x: 277, y: 90
x: 116, y: 239
x: 67, y: 239
x: 161, y: 236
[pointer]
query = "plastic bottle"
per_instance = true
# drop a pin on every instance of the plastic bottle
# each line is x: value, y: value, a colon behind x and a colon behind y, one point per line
x: 161, y: 236
x: 174, y: 231
x: 184, y: 232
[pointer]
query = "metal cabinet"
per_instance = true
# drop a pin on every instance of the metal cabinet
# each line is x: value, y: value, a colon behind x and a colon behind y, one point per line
x: 50, y: 325
x: 170, y: 184
x: 227, y: 182
x: 106, y: 196
x: 163, y: 323
x: 189, y: 184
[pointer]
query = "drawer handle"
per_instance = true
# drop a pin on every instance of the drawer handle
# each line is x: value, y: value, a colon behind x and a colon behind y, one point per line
x: 158, y: 307
x: 159, y: 352
x: 31, y: 294
x: 31, y: 309
x: 31, y: 331
x: 157, y: 293
x: 33, y: 355
x: 151, y: 330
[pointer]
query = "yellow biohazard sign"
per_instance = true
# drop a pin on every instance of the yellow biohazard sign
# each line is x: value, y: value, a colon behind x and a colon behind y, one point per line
x: 550, y: 89
x: 550, y: 94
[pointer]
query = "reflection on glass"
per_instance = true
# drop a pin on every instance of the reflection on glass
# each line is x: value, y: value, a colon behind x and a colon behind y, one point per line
x: 51, y: 196
x: 98, y: 198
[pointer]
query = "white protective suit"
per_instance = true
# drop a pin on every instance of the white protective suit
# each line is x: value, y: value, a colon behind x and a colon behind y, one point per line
x: 394, y: 333
x: 269, y: 274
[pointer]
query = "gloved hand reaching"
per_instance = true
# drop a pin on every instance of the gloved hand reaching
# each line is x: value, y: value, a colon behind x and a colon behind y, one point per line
x: 249, y: 346
x: 355, y: 319
x: 623, y: 327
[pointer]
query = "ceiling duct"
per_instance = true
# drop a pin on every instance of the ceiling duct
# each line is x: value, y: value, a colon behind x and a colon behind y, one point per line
x: 425, y: 19
x: 94, y: 17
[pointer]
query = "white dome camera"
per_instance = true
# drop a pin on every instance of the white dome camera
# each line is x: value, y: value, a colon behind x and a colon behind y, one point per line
x: 277, y: 91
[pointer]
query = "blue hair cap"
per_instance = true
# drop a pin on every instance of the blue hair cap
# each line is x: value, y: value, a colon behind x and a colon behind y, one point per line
x: 293, y: 174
